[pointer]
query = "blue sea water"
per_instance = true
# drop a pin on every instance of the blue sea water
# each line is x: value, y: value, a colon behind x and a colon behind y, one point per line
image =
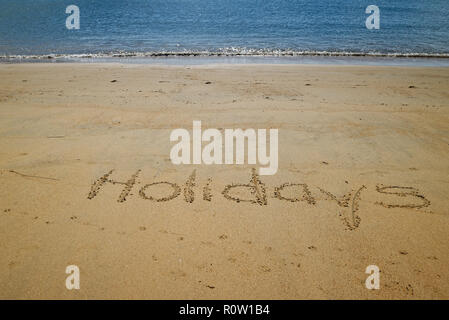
x: 233, y: 27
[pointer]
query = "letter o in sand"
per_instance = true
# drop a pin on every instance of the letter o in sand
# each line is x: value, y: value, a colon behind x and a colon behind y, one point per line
x: 176, y: 191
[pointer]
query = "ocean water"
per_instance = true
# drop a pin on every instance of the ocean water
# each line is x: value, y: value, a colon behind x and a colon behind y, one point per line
x: 145, y: 28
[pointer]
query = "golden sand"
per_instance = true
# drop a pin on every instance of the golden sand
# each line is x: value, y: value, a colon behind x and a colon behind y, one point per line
x: 363, y: 179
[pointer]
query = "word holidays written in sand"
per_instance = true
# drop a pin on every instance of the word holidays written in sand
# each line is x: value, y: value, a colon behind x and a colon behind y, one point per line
x: 212, y: 153
x: 256, y: 193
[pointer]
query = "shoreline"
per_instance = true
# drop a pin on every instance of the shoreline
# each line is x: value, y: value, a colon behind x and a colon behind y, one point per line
x: 219, y: 59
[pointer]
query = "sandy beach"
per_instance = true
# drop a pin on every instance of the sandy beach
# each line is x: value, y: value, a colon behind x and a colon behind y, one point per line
x: 363, y: 180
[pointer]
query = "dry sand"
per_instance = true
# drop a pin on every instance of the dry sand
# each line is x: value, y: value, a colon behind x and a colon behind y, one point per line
x: 354, y: 135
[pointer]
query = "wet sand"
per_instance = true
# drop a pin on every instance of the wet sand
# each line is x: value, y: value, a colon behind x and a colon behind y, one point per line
x: 363, y: 179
